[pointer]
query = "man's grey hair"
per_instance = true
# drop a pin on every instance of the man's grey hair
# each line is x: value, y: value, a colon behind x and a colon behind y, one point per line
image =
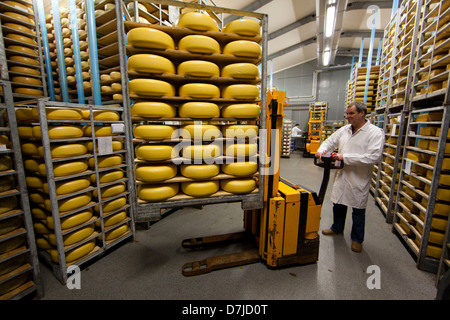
x: 360, y: 106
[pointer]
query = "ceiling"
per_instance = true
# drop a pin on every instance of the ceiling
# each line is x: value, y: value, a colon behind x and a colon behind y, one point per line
x: 296, y: 28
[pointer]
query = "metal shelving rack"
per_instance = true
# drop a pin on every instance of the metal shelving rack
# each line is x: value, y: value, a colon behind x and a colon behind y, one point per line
x: 421, y: 218
x: 378, y: 120
x: 286, y: 146
x: 20, y: 47
x: 19, y: 265
x: 51, y: 206
x: 151, y: 211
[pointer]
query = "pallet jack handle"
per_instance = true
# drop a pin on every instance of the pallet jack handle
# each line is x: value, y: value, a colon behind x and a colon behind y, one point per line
x: 327, y: 162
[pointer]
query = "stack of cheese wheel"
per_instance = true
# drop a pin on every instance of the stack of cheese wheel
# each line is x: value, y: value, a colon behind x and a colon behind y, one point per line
x: 19, y: 31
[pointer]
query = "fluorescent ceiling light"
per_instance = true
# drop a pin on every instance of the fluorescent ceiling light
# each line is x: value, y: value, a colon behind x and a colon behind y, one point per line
x: 326, y: 57
x: 329, y: 24
x: 331, y: 1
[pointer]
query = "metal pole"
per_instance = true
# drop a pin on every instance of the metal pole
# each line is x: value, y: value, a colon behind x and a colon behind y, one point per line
x: 93, y: 55
x: 76, y: 50
x: 369, y: 56
x: 59, y: 51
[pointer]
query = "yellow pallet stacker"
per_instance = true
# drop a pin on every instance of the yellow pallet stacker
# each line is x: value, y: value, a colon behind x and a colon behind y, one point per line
x: 285, y: 231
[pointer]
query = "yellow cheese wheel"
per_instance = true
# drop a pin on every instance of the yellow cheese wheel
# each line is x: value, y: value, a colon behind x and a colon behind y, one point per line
x: 241, y: 92
x: 29, y: 91
x: 199, y: 171
x: 27, y: 80
x: 200, y: 189
x: 240, y: 168
x: 71, y: 203
x: 157, y: 192
x: 112, y: 219
x: 100, y: 131
x: 66, y: 187
x: 112, y: 205
x: 65, y: 169
x: 24, y: 39
x: 152, y: 110
x: 25, y: 132
x: 5, y: 163
x: 10, y: 224
x: 25, y: 60
x: 199, y: 91
x: 197, y: 21
x: 16, y: 5
x: 106, y: 161
x: 25, y: 50
x: 154, y: 152
x: 199, y: 44
x: 238, y: 186
x: 30, y: 149
x: 241, y: 111
x: 75, y: 254
x: 241, y: 150
x: 8, y: 204
x: 199, y: 110
x: 117, y: 232
x: 65, y: 132
x: 243, y: 27
x: 200, y: 132
x: 62, y: 114
x: 198, y: 68
x: 155, y: 173
x: 246, y: 71
x: 19, y: 27
x: 75, y: 236
x: 418, y: 156
x: 43, y: 244
x: 198, y: 151
x: 154, y: 132
x: 243, y: 48
x: 149, y: 38
x: 151, y: 88
x: 106, y: 177
x: 41, y: 228
x: 239, y: 131
x: 10, y: 244
x: 110, y: 191
x: 106, y: 115
x: 19, y: 17
x: 150, y: 63
x: 25, y: 114
x: 71, y: 221
x: 66, y: 150
x: 11, y: 264
x: 7, y: 183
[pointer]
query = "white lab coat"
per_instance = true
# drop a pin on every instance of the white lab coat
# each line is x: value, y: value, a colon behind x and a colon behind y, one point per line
x: 361, y: 151
x: 295, y: 132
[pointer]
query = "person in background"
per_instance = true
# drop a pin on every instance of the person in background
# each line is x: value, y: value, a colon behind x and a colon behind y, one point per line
x: 294, y: 133
x: 360, y: 145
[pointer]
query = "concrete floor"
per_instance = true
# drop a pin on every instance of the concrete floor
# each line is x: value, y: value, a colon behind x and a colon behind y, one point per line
x: 150, y: 268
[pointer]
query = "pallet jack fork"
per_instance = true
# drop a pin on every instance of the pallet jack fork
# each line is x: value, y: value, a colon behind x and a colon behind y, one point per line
x: 285, y: 231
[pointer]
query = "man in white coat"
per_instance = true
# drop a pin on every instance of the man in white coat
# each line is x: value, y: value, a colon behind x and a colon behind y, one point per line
x: 360, y: 145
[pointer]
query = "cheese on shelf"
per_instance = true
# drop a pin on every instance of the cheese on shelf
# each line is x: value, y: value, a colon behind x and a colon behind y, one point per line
x: 199, y: 171
x: 150, y: 63
x: 199, y: 44
x: 240, y: 131
x: 240, y: 168
x: 199, y: 91
x: 155, y: 173
x: 243, y: 27
x: 200, y: 110
x: 157, y: 192
x: 243, y: 48
x: 197, y: 21
x: 241, y: 92
x: 198, y: 68
x: 200, y: 132
x: 241, y: 150
x: 245, y: 71
x: 238, y: 186
x: 241, y: 111
x: 198, y: 151
x: 152, y: 110
x: 142, y: 37
x: 154, y: 152
x: 200, y: 189
x: 154, y: 132
x: 151, y: 87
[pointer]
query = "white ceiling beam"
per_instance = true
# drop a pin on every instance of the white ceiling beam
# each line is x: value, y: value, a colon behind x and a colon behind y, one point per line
x: 251, y: 7
x: 292, y: 26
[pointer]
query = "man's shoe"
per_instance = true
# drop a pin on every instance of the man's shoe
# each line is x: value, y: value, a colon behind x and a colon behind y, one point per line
x: 356, y: 246
x: 329, y: 232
